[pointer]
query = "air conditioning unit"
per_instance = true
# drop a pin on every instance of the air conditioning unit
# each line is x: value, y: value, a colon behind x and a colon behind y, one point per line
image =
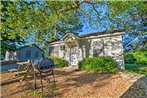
x: 62, y: 47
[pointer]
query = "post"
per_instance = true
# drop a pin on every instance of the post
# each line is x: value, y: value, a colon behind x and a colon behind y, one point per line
x: 41, y: 82
x: 34, y: 81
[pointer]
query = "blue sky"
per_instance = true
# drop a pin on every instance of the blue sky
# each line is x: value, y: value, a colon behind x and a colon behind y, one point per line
x: 100, y: 22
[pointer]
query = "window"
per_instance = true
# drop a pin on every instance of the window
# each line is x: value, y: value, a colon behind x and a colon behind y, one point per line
x: 62, y: 47
x: 53, y: 51
x: 28, y: 54
x: 36, y: 54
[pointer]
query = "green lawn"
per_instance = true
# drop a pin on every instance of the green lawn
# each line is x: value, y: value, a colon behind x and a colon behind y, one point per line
x: 134, y: 68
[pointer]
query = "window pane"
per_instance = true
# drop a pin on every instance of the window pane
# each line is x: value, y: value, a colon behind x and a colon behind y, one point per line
x: 28, y: 54
x: 53, y: 51
x: 36, y: 54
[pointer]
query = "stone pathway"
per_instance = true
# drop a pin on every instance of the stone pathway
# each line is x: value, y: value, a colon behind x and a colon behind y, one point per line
x: 138, y: 89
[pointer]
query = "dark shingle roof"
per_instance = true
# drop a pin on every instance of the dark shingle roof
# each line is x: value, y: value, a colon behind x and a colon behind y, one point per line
x: 100, y: 33
x: 94, y: 34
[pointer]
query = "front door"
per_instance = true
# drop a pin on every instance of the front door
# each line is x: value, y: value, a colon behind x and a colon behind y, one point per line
x: 74, y: 54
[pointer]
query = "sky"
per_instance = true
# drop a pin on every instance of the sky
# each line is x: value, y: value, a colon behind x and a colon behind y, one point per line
x: 87, y: 27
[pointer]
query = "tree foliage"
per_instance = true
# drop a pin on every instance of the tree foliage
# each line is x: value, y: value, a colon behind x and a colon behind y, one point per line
x: 41, y: 21
x: 131, y: 16
x: 120, y: 6
x: 7, y: 42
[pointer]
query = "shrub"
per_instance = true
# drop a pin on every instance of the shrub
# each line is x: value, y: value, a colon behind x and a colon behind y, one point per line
x: 129, y: 58
x: 99, y: 64
x: 136, y: 57
x: 141, y: 57
x: 59, y: 61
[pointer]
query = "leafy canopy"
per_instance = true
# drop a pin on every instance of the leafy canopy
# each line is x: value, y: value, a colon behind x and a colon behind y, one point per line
x: 38, y: 19
x: 41, y: 21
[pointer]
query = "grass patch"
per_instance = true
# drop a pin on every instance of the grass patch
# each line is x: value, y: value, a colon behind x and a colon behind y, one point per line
x: 134, y: 68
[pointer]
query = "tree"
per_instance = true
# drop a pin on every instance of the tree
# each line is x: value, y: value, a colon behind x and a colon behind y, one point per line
x: 41, y: 21
x: 6, y: 43
x: 133, y: 20
x: 38, y: 19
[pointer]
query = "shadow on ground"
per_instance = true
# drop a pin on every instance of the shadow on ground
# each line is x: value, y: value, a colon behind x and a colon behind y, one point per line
x: 75, y: 79
x: 82, y: 78
x: 134, y: 68
x: 65, y: 81
x: 137, y: 90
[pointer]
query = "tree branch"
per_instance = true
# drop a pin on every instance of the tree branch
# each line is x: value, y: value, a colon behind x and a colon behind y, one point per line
x: 75, y: 6
x: 96, y: 11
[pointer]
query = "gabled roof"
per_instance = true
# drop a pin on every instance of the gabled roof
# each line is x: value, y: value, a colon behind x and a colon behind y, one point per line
x: 92, y: 34
x: 100, y: 33
x: 69, y: 34
x: 29, y: 46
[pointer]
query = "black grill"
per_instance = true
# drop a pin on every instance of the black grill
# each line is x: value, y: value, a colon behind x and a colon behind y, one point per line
x: 43, y: 66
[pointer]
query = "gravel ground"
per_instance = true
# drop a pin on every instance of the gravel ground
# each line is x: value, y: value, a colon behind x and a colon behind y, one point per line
x: 79, y: 84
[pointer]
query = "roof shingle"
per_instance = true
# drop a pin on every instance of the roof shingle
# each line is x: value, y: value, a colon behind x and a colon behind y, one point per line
x: 100, y: 33
x: 95, y: 34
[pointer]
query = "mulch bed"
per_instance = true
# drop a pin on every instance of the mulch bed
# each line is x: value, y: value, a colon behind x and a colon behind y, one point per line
x: 78, y: 84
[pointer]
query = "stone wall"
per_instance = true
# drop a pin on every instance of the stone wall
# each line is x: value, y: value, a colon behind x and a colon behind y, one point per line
x: 110, y: 45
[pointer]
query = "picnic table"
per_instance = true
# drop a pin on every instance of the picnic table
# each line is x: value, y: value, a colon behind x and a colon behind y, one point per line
x: 24, y: 63
x: 32, y: 70
x: 28, y: 70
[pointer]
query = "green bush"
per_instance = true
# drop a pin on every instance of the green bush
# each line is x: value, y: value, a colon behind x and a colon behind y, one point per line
x: 99, y: 64
x: 129, y: 58
x: 136, y: 57
x: 59, y: 61
x: 141, y: 57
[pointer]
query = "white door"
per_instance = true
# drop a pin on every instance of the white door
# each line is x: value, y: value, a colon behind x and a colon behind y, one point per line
x: 74, y: 60
x: 74, y: 56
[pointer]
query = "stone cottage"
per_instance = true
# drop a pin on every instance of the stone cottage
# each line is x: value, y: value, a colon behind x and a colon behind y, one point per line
x: 74, y: 48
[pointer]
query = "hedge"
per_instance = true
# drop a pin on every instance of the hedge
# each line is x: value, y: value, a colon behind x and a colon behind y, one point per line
x: 129, y: 58
x: 136, y: 57
x: 103, y: 63
x: 59, y: 61
x: 141, y: 57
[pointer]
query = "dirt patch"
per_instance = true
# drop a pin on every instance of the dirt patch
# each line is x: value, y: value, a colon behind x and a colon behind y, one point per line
x: 74, y: 84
